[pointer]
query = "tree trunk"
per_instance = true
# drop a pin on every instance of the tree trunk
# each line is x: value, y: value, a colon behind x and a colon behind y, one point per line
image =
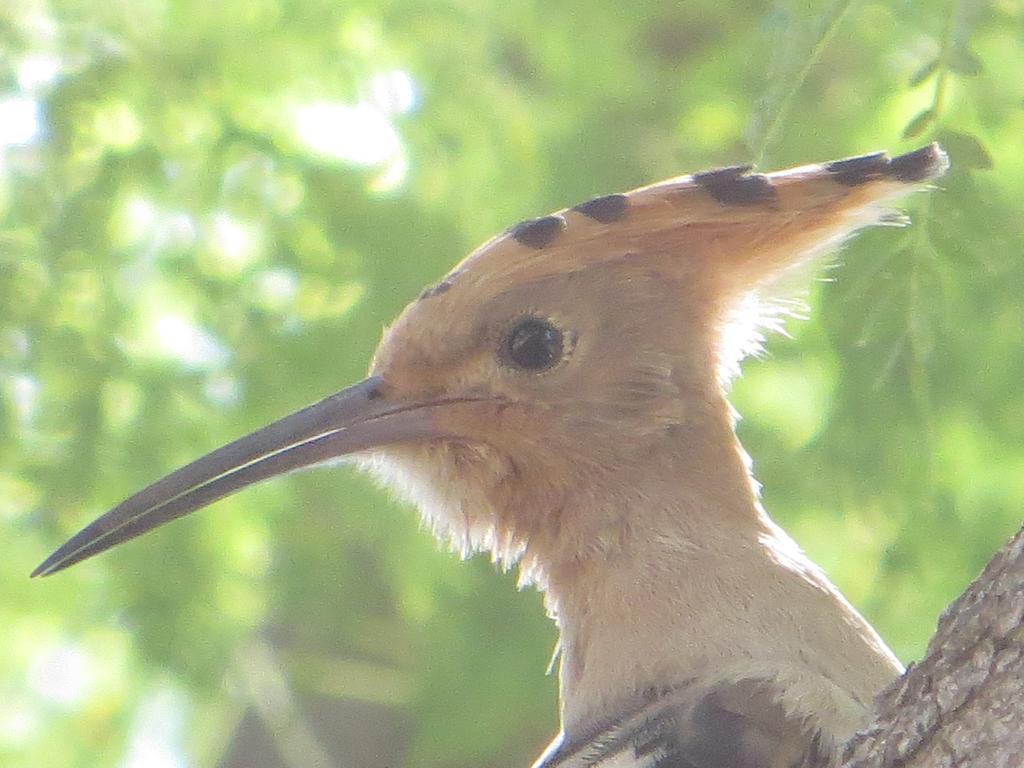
x: 962, y: 706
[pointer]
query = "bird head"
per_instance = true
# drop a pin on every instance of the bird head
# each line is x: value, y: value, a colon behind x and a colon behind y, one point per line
x: 578, y: 352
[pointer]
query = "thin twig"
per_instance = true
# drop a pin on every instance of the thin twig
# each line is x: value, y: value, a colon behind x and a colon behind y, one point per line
x: 786, y: 103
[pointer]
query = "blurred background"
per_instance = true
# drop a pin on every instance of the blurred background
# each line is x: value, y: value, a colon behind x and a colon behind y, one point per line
x: 208, y: 212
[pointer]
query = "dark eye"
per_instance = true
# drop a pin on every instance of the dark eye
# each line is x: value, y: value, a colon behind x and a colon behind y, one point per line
x: 533, y: 345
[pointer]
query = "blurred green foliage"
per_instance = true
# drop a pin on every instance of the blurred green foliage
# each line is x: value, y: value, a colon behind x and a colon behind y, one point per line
x: 208, y: 210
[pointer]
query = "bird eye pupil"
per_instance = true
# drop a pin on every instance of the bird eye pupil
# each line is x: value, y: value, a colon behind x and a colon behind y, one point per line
x: 534, y: 345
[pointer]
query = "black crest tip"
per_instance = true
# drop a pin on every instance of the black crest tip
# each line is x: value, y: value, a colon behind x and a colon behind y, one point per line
x: 737, y: 186
x: 605, y: 209
x: 537, y: 233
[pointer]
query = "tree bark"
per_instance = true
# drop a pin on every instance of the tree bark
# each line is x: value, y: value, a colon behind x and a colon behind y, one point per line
x: 962, y: 706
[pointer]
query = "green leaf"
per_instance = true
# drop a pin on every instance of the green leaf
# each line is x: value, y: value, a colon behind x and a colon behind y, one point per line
x: 919, y: 124
x: 924, y: 73
x: 966, y: 152
x: 964, y: 62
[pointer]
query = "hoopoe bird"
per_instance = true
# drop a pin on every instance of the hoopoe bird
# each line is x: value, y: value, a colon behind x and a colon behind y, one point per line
x: 559, y: 399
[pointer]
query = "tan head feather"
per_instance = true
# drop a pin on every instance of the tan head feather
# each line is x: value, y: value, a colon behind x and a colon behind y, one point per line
x: 655, y: 294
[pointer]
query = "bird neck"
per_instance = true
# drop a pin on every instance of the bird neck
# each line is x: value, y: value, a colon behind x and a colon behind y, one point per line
x: 696, y: 581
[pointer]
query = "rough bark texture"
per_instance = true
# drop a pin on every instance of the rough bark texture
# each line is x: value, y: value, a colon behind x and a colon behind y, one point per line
x: 962, y: 706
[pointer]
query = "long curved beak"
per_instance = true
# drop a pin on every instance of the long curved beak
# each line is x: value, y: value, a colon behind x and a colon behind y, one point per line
x: 356, y: 419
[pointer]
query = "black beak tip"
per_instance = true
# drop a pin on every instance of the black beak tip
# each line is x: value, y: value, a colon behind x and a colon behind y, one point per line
x: 77, y: 548
x: 343, y: 423
x: 49, y: 566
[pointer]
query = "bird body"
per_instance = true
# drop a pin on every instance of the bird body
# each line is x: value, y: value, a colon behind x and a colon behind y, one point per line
x: 559, y: 400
